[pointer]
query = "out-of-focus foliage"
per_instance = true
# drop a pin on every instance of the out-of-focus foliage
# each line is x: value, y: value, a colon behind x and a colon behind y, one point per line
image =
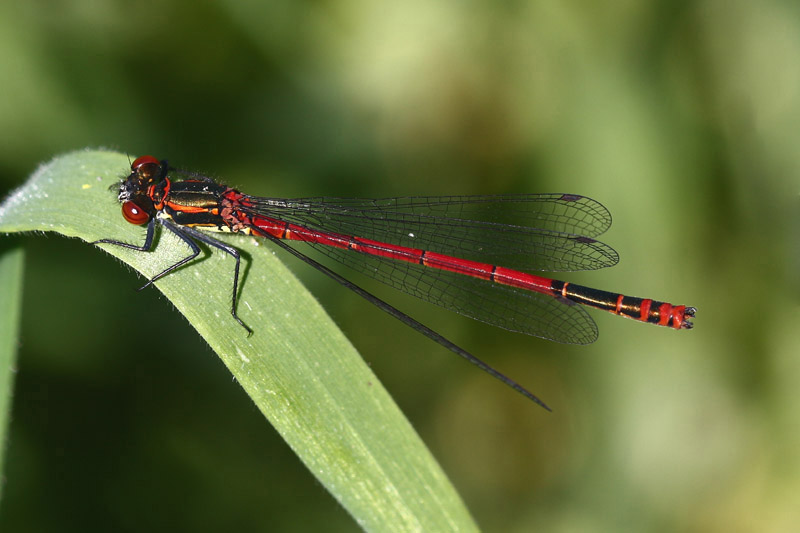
x: 681, y: 117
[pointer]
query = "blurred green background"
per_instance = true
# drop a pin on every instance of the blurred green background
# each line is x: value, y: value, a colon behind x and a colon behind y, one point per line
x: 683, y: 118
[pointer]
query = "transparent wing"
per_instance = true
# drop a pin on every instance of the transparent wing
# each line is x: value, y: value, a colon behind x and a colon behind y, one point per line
x: 543, y: 232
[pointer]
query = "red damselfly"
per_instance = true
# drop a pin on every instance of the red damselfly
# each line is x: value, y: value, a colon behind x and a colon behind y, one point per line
x: 446, y: 250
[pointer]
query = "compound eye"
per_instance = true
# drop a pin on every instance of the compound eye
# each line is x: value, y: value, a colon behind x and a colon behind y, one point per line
x: 134, y: 214
x: 144, y: 160
x: 147, y: 168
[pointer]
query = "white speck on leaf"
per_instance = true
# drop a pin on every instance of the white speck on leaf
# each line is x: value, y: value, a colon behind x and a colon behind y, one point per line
x: 242, y: 356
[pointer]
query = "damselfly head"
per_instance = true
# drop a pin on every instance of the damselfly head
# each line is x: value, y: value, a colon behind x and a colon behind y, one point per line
x: 145, y: 171
x: 135, y: 190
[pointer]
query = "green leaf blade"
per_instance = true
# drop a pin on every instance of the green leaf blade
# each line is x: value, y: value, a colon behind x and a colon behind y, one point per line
x: 298, y: 367
x: 11, y: 270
